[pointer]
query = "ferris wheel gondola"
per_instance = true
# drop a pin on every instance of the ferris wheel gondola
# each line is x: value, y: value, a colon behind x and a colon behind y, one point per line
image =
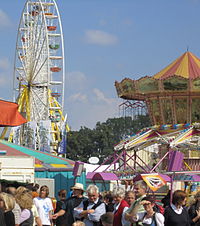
x: 39, y: 73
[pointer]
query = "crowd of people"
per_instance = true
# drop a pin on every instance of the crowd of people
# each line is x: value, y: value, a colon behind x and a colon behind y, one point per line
x: 31, y: 206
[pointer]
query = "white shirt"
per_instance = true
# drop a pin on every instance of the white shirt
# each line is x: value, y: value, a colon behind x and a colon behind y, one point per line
x: 158, y: 217
x: 35, y: 213
x: 176, y: 210
x: 44, y: 207
x: 100, y: 210
x: 125, y: 222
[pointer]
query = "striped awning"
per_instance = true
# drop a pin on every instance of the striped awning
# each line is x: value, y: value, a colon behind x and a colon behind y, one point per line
x: 187, y: 66
x: 43, y: 160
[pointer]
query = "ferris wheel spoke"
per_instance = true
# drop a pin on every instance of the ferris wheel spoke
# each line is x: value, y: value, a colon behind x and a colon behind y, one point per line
x: 38, y: 71
x: 35, y: 111
x: 36, y: 42
x: 36, y: 94
x: 23, y: 65
x: 38, y: 60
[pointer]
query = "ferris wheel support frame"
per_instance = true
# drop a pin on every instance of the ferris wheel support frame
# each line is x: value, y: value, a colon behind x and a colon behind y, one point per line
x: 24, y: 95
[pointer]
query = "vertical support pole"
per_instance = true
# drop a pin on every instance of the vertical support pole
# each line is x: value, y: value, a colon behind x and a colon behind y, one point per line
x: 174, y: 110
x: 171, y: 193
x: 75, y: 180
x: 124, y: 157
x: 135, y: 158
x: 115, y: 162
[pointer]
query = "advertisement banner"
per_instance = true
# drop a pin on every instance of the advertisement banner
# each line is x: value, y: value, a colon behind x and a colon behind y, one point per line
x: 154, y: 181
x: 45, y: 136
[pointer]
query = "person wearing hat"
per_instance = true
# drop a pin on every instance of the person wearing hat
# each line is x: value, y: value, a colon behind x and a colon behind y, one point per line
x: 69, y: 204
x: 91, y: 209
x: 150, y: 216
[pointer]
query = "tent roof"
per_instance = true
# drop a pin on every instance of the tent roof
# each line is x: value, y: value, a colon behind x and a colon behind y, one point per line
x: 187, y: 66
x: 9, y: 114
x: 101, y: 176
x: 42, y: 159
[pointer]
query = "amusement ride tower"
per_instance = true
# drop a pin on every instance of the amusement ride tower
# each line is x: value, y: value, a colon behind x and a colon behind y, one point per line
x: 172, y: 97
x: 39, y: 76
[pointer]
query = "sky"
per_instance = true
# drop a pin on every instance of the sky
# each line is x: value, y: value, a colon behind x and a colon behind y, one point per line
x: 106, y: 41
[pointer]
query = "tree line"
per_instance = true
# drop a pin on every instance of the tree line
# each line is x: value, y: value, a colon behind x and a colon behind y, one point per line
x: 99, y: 142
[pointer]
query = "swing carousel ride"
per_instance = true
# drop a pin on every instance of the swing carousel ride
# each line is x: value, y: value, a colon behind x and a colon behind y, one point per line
x: 172, y: 97
x: 39, y: 76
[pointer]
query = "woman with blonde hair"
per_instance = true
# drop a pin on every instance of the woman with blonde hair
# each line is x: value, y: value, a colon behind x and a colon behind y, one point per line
x: 78, y: 223
x: 25, y: 201
x: 7, y: 203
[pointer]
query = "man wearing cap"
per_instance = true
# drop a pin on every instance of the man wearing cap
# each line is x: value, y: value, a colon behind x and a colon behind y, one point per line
x: 92, y: 209
x: 71, y: 203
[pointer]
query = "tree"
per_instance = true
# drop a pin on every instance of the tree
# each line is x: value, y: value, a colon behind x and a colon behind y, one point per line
x: 100, y: 141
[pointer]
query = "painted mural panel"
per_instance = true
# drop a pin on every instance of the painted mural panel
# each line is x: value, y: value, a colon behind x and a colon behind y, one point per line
x: 156, y: 111
x: 196, y: 84
x: 146, y: 85
x: 195, y: 109
x: 127, y: 86
x: 175, y: 83
x: 167, y: 110
x: 181, y: 110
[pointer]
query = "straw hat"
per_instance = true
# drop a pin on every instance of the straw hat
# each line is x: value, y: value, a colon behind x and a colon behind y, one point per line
x: 78, y: 186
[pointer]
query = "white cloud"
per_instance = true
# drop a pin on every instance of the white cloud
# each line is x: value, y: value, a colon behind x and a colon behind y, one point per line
x: 90, y: 108
x: 4, y: 64
x: 100, y: 37
x: 101, y: 97
x: 4, y: 20
x: 88, y: 114
x: 78, y: 97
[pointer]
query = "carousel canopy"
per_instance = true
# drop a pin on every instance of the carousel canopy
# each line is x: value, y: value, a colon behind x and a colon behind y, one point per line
x: 172, y: 95
x: 186, y: 66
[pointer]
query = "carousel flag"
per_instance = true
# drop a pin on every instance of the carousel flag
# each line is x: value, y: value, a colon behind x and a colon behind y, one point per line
x: 154, y: 181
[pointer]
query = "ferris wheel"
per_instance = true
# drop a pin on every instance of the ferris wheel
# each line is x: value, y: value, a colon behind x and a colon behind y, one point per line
x: 39, y: 73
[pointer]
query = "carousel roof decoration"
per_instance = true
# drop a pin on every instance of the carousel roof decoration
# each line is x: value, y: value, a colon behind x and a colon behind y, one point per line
x: 186, y: 66
x: 172, y: 95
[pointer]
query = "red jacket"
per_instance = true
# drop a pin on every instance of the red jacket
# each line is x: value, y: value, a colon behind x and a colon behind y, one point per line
x: 118, y: 214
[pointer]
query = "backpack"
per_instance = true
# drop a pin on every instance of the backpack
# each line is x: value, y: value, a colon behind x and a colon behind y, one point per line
x: 159, y: 209
x: 85, y: 205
